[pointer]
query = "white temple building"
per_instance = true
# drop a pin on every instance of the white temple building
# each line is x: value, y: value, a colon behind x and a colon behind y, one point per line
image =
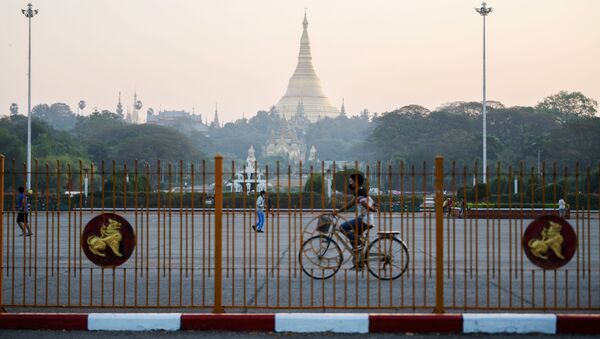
x: 305, y: 87
x: 250, y: 178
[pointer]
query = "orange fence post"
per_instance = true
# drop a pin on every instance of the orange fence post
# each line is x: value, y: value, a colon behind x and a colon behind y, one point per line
x: 1, y: 227
x: 439, y: 235
x: 218, y: 307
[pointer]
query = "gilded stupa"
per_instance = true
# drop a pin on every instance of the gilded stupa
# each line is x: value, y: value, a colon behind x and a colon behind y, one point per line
x: 305, y: 87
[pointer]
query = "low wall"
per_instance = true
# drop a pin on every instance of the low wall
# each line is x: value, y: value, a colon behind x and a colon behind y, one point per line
x: 506, y: 213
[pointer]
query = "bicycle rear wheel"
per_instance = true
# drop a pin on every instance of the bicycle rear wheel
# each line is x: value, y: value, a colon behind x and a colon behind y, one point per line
x: 320, y: 257
x: 387, y: 258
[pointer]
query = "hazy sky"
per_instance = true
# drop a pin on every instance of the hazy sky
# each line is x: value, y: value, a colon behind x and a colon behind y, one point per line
x: 379, y: 54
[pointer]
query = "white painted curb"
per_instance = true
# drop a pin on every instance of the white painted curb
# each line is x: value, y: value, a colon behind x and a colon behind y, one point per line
x: 134, y: 321
x: 509, y: 323
x: 322, y: 322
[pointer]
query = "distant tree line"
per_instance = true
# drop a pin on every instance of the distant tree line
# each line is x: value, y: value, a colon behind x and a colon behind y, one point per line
x: 562, y: 128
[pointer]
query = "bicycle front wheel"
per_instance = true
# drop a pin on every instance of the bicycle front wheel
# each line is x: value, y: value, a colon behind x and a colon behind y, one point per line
x: 320, y: 257
x: 387, y: 258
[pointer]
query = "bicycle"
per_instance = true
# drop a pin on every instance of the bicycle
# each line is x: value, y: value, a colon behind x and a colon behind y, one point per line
x: 320, y: 257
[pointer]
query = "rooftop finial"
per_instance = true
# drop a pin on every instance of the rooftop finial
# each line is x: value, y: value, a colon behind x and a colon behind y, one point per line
x: 305, y: 21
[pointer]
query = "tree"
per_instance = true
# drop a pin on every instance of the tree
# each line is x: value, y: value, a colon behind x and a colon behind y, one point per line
x: 48, y: 145
x: 234, y: 139
x: 58, y: 115
x: 337, y: 138
x: 573, y: 142
x: 518, y: 133
x: 469, y: 108
x: 149, y: 143
x: 566, y: 105
x: 413, y: 110
x: 11, y: 146
x: 98, y: 126
x: 264, y: 121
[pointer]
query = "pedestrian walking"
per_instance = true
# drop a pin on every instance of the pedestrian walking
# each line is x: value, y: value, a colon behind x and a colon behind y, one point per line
x: 260, y: 213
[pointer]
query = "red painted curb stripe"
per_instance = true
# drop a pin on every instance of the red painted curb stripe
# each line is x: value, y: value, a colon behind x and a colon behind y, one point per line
x: 578, y: 323
x: 228, y: 322
x: 43, y: 321
x: 432, y: 323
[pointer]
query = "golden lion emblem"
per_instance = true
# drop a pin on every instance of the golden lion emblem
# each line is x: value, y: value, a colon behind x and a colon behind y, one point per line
x: 109, y: 235
x: 551, y: 240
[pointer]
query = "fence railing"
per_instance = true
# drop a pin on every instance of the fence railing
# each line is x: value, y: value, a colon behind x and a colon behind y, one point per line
x: 195, y: 248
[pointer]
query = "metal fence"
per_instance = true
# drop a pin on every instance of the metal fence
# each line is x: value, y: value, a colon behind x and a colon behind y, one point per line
x: 195, y: 247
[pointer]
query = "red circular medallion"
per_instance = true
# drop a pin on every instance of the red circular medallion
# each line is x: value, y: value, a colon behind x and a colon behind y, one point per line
x: 549, y: 242
x: 108, y: 240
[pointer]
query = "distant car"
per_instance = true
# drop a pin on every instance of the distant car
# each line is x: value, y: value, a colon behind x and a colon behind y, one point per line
x: 72, y: 193
x: 428, y: 202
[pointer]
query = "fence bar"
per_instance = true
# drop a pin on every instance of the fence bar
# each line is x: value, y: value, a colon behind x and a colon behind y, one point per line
x: 218, y: 307
x: 1, y: 228
x: 439, y: 235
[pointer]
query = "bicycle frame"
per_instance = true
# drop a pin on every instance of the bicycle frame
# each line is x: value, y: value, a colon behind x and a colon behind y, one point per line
x: 336, y: 233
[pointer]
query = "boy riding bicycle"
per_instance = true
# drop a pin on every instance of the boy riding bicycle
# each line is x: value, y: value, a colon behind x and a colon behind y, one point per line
x: 364, y: 204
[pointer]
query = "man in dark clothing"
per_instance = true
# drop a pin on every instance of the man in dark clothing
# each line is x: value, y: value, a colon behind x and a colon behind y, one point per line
x: 23, y: 211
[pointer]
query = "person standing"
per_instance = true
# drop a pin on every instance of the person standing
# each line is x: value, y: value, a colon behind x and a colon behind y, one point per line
x: 23, y: 210
x: 562, y: 205
x: 260, y: 213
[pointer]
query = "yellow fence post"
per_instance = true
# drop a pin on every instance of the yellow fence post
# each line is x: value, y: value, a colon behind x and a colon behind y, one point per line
x: 439, y: 234
x: 218, y: 307
x: 1, y: 228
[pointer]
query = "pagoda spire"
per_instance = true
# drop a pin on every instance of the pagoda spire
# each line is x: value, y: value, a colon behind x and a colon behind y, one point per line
x: 215, y: 122
x: 305, y: 66
x: 343, y: 109
x: 120, y: 106
x: 306, y: 85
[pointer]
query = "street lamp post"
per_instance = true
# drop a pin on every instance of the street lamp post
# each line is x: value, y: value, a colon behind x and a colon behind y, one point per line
x: 484, y: 11
x: 29, y: 13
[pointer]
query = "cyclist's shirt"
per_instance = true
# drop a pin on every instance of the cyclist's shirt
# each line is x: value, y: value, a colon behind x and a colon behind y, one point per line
x: 363, y: 212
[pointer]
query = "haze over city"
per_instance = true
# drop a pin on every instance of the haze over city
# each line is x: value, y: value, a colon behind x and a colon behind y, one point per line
x: 191, y: 55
